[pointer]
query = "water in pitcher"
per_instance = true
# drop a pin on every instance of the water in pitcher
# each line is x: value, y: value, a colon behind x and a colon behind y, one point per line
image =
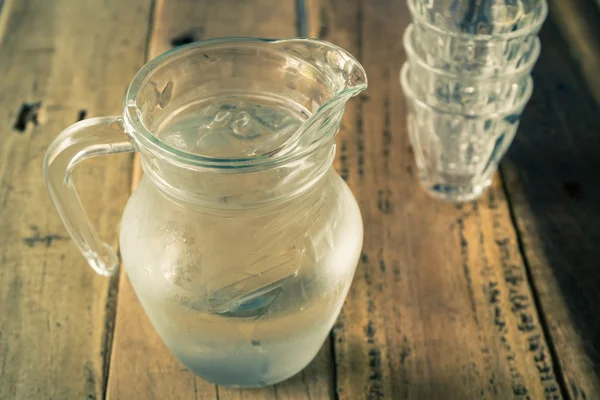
x: 233, y: 128
x: 226, y: 307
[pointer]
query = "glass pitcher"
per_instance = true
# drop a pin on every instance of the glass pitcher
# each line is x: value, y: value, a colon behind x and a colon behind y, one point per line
x: 241, y: 240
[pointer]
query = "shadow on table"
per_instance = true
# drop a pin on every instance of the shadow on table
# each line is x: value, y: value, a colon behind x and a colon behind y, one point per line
x: 552, y: 174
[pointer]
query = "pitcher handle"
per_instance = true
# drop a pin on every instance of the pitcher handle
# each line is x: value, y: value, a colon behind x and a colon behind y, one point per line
x: 88, y: 138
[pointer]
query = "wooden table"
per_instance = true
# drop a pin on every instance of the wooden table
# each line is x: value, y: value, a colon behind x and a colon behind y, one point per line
x: 495, y: 299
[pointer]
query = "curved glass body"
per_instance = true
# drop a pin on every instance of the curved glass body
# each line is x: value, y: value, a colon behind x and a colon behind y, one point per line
x: 243, y: 297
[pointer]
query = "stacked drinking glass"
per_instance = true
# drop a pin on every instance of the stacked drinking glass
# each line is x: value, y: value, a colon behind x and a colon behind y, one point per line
x: 467, y: 81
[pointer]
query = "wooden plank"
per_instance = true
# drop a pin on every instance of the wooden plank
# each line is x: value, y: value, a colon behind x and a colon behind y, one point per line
x: 142, y: 367
x: 59, y: 61
x: 579, y: 25
x: 441, y: 307
x: 551, y: 174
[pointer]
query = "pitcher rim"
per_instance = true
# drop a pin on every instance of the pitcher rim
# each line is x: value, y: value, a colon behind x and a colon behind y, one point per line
x: 140, y: 133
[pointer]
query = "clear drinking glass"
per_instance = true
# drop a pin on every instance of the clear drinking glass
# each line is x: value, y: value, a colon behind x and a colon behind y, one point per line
x: 241, y: 240
x: 467, y: 93
x: 481, y: 17
x: 457, y: 154
x: 458, y: 51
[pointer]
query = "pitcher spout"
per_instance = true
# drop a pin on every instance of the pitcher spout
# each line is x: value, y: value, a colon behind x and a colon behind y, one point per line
x: 327, y: 76
x: 344, y: 74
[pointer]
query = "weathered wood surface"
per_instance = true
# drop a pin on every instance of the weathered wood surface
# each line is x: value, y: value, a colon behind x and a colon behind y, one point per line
x: 441, y: 307
x: 141, y: 366
x: 552, y: 174
x: 59, y: 61
x: 448, y: 302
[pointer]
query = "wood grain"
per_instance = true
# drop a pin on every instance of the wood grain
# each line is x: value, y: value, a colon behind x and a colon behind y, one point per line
x: 578, y: 24
x: 441, y: 307
x: 59, y: 61
x: 141, y: 366
x: 551, y: 174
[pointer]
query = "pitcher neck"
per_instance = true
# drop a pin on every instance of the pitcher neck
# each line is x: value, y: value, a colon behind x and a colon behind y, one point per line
x: 232, y: 188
